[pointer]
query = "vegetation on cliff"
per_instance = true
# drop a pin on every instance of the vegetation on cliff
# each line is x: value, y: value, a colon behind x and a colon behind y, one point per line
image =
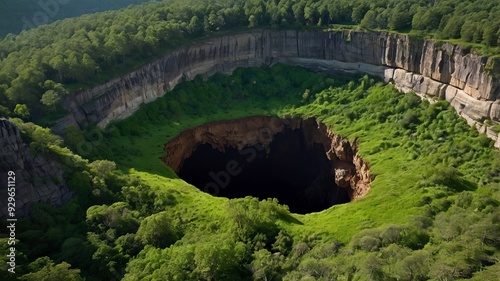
x: 41, y: 65
x: 433, y: 211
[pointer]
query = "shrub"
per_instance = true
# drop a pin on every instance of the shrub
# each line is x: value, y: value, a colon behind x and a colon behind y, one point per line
x: 158, y: 230
x: 410, y: 119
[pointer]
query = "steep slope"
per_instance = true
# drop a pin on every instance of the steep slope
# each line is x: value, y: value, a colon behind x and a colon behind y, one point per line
x: 37, y: 178
x: 470, y: 82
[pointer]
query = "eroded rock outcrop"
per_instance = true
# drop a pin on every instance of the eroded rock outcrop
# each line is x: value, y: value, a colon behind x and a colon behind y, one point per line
x: 469, y: 81
x: 350, y: 171
x: 37, y: 178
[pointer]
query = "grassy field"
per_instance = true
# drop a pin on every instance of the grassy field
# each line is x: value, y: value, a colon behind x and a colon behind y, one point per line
x: 402, y: 156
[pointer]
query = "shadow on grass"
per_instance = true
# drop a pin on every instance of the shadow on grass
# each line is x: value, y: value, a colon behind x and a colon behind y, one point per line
x: 449, y: 177
x: 287, y: 217
x: 459, y: 185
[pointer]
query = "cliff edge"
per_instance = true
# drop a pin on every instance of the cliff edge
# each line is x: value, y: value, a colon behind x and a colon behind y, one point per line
x: 470, y: 82
x: 36, y: 178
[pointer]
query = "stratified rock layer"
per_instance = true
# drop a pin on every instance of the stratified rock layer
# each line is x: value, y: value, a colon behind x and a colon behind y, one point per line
x: 469, y: 81
x: 351, y: 172
x: 37, y: 178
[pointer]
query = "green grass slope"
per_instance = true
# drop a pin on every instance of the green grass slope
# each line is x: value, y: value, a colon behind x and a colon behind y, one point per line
x: 425, y: 157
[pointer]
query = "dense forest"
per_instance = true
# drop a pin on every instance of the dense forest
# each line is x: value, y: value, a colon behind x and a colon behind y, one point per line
x: 433, y: 212
x: 41, y: 65
x: 140, y: 222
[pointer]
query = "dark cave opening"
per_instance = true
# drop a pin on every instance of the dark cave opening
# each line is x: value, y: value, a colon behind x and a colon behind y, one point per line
x: 291, y: 169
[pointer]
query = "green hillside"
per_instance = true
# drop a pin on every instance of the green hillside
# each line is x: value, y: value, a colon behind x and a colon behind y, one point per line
x: 40, y: 66
x: 433, y: 212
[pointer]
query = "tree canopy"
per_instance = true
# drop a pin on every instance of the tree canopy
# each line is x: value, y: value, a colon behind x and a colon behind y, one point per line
x: 39, y: 66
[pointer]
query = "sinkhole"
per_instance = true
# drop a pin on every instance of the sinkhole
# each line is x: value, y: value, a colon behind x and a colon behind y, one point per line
x: 298, y: 161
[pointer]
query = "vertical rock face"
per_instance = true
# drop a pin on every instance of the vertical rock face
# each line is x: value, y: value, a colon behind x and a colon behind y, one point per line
x: 469, y: 81
x: 350, y: 171
x: 37, y: 179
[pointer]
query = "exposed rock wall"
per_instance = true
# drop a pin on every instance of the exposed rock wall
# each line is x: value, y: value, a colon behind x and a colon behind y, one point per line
x: 235, y: 133
x: 469, y: 81
x: 37, y: 179
x: 350, y: 170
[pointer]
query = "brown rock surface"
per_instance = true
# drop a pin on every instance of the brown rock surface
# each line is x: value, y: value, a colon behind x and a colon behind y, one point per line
x: 350, y: 170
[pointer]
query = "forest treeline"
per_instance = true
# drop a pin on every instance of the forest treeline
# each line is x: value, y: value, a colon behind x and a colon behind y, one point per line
x: 40, y: 66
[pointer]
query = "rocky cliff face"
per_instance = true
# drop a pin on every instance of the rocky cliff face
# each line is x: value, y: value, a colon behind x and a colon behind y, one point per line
x: 350, y: 171
x: 37, y: 179
x: 470, y: 82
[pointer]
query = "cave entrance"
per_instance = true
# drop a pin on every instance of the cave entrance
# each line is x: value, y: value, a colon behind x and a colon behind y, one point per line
x: 291, y: 160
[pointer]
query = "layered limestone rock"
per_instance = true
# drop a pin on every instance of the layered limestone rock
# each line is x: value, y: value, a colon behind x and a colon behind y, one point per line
x: 37, y: 178
x: 412, y: 64
x: 350, y: 170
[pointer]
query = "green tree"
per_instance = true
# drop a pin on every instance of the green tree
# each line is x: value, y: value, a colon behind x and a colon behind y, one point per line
x: 426, y: 19
x: 158, y: 230
x: 118, y: 216
x: 317, y: 269
x: 311, y: 14
x: 22, y: 111
x: 415, y: 266
x: 214, y: 22
x: 103, y: 167
x: 149, y: 261
x: 46, y: 137
x: 195, y: 26
x: 491, y: 35
x: 74, y: 138
x: 298, y: 12
x: 369, y: 20
x: 371, y: 267
x: 400, y: 17
x: 283, y: 243
x: 89, y: 67
x: 359, y: 12
x: 218, y: 260
x: 117, y: 45
x: 50, y: 99
x: 58, y: 63
x: 44, y: 269
x: 266, y: 266
x: 252, y: 217
x: 75, y: 250
x: 252, y: 21
x: 470, y: 31
x: 453, y: 27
